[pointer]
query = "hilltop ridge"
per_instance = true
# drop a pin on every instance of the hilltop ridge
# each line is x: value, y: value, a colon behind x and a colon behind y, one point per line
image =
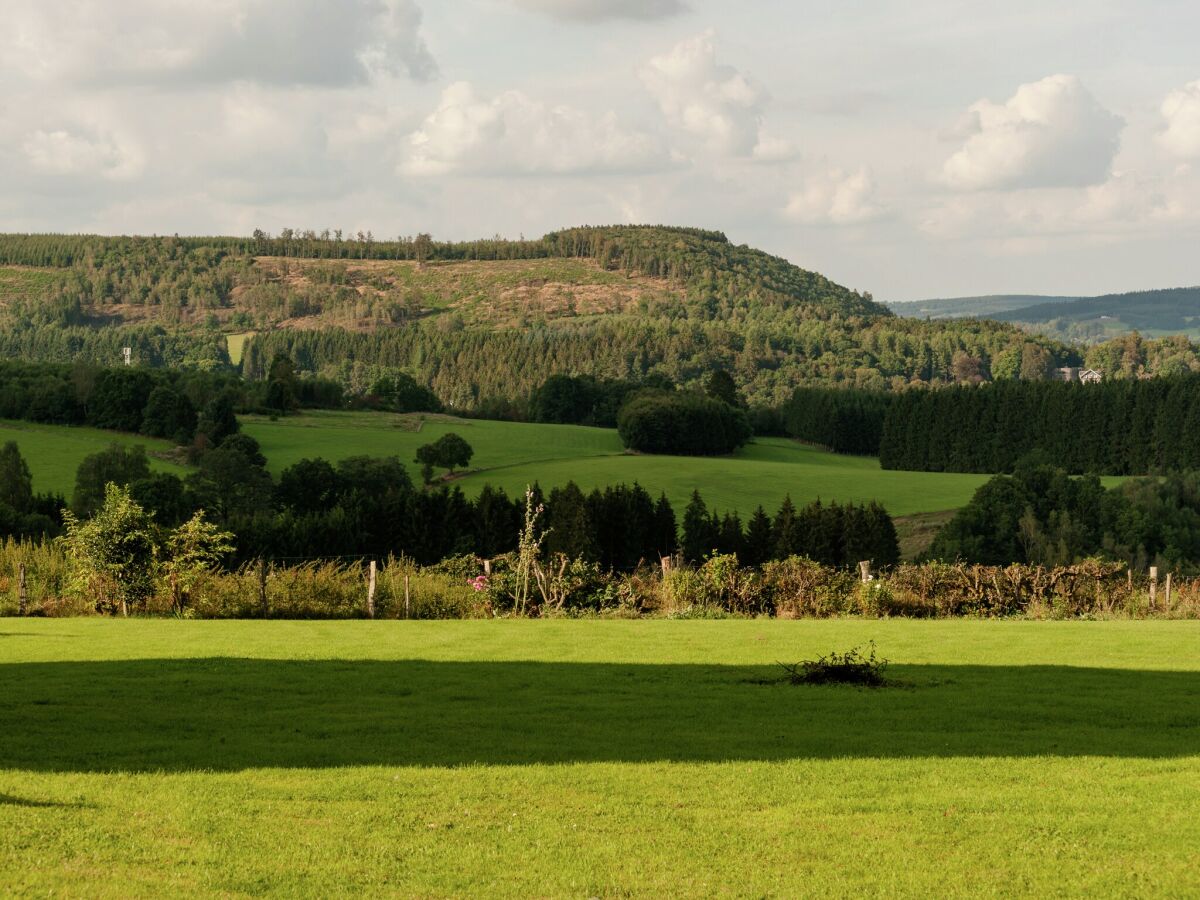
x: 479, y: 322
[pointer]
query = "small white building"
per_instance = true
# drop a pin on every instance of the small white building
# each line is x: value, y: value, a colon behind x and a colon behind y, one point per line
x: 1075, y: 373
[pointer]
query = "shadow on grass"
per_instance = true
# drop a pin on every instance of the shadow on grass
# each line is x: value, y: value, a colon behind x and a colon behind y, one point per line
x: 230, y: 714
x: 10, y: 800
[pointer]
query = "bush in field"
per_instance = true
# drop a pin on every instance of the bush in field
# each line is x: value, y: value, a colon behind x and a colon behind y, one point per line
x: 113, y: 555
x: 193, y: 551
x: 852, y: 667
x: 655, y: 421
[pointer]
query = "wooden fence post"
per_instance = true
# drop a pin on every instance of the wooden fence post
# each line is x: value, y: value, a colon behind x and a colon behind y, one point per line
x: 487, y: 567
x: 665, y: 562
x: 22, y: 593
x: 1168, y: 591
x: 262, y: 587
x: 406, y: 599
x: 371, y: 591
x: 1153, y: 585
x: 864, y: 570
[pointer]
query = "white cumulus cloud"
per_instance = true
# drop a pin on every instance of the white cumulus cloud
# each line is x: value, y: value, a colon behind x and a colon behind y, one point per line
x: 1181, y: 110
x: 513, y: 133
x: 714, y: 104
x: 600, y: 10
x: 1050, y: 133
x: 285, y: 42
x: 68, y: 152
x: 835, y: 197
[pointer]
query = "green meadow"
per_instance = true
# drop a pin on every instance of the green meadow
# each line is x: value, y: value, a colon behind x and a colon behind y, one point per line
x: 54, y: 452
x: 512, y: 455
x: 597, y: 758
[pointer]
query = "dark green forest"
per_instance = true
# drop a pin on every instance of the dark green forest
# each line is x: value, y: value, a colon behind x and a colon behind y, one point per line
x: 1132, y: 427
x: 1043, y: 516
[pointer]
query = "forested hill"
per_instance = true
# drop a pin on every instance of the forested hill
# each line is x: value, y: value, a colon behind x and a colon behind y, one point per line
x: 1173, y: 309
x: 484, y: 322
x: 975, y: 307
x: 704, y: 263
x: 1085, y: 319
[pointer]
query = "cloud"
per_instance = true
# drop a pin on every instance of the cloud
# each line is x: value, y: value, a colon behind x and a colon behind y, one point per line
x: 601, y: 10
x: 1126, y: 203
x: 1050, y: 133
x: 835, y: 197
x: 714, y: 104
x: 512, y: 133
x: 283, y: 42
x: 65, y: 152
x: 1181, y: 110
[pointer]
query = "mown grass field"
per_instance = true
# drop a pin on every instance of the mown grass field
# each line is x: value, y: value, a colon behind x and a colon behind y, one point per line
x: 596, y: 758
x: 513, y: 455
x: 54, y: 452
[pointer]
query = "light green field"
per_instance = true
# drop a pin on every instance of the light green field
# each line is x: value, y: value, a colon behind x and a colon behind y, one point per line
x: 513, y: 455
x: 54, y: 452
x: 596, y: 759
x: 236, y: 344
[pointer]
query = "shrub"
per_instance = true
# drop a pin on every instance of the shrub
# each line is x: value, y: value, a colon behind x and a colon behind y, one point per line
x: 852, y: 667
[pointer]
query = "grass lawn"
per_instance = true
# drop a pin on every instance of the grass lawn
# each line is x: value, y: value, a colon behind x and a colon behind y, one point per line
x: 596, y: 758
x: 512, y: 455
x: 54, y: 452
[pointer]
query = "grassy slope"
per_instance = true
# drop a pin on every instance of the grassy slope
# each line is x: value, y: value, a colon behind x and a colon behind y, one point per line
x: 513, y: 455
x: 596, y: 759
x: 54, y: 452
x: 24, y: 282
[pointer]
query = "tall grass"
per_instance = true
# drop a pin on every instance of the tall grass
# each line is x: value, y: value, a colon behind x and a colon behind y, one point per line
x: 791, y: 588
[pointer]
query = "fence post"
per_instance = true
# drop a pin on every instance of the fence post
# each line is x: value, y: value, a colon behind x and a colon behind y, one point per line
x: 487, y: 567
x: 864, y: 570
x: 1153, y: 585
x: 22, y: 593
x: 406, y: 607
x: 1168, y: 591
x: 666, y: 565
x: 262, y: 586
x: 371, y: 591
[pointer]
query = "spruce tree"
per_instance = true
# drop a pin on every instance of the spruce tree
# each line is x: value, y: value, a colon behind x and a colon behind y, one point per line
x: 699, y: 537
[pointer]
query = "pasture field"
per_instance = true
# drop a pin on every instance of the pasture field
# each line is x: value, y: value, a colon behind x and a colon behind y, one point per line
x: 512, y: 455
x: 596, y: 758
x: 54, y: 452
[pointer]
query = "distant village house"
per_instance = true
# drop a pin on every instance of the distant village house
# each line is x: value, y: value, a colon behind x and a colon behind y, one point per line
x: 1075, y: 373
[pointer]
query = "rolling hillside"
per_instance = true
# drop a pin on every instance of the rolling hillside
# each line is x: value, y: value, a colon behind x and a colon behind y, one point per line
x: 1083, y: 319
x: 481, y: 322
x: 513, y: 455
x: 1158, y: 312
x: 972, y: 307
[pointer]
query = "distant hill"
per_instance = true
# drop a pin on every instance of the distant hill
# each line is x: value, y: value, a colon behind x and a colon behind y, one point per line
x: 1173, y: 309
x: 1079, y: 319
x: 987, y: 305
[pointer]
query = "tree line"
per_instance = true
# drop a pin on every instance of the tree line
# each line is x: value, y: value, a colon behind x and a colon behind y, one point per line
x: 1122, y: 427
x: 1042, y: 515
x: 364, y: 506
x: 191, y: 408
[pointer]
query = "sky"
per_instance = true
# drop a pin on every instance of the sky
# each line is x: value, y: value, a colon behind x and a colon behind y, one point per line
x: 913, y: 149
